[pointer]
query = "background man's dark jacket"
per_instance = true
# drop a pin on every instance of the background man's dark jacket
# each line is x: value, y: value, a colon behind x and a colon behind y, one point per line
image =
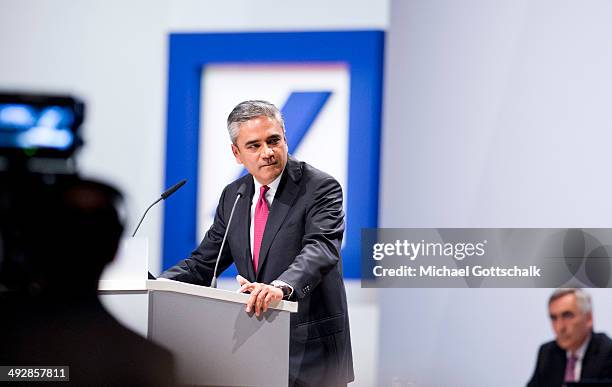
x: 596, y: 365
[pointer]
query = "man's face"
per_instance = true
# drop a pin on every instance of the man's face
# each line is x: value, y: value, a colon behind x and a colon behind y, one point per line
x: 570, y: 324
x: 262, y: 149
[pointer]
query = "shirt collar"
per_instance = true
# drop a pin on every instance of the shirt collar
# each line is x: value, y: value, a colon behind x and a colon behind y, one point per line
x: 581, y: 350
x: 273, y: 185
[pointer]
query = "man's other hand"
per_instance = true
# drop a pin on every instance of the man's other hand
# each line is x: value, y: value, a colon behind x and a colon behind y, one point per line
x: 262, y: 295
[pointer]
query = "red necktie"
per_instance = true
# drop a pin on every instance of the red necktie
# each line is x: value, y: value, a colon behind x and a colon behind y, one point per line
x: 261, y: 217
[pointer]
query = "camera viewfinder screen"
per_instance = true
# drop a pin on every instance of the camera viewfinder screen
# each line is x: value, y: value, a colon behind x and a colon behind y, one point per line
x: 24, y: 126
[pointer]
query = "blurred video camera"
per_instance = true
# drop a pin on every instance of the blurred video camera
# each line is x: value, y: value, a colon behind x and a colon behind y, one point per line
x: 39, y: 135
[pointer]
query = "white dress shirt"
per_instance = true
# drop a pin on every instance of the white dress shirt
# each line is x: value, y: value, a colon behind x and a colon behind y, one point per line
x: 273, y: 187
x: 579, y: 357
x: 269, y: 199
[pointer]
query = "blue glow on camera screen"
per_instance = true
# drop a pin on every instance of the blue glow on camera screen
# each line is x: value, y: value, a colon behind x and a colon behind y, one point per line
x: 27, y: 126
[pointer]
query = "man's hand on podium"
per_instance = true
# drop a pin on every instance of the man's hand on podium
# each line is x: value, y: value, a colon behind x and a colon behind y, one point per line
x: 261, y: 295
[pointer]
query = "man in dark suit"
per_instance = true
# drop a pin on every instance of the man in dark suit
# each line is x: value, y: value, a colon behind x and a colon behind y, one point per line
x: 285, y: 240
x: 577, y: 354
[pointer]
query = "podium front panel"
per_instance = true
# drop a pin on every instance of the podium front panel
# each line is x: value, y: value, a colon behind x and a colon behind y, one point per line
x: 216, y: 343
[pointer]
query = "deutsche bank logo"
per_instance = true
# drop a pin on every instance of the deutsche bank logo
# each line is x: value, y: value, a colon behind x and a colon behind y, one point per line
x: 328, y: 86
x: 314, y: 103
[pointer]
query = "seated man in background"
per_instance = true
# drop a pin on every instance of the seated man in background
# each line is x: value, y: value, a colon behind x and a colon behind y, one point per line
x: 61, y: 237
x: 577, y: 354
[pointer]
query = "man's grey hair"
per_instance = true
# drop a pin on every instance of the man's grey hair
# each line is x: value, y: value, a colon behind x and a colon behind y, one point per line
x: 248, y: 110
x: 583, y: 299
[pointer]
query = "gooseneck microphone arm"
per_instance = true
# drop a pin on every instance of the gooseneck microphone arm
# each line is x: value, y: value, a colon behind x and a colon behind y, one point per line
x: 163, y: 196
x: 239, y: 194
x: 143, y: 216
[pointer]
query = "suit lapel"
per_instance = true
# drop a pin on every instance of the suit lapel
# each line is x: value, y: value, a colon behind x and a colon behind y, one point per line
x: 590, y: 360
x: 558, y: 374
x: 243, y: 212
x: 283, y: 200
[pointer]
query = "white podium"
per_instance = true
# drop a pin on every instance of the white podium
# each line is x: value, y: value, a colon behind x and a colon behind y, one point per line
x: 213, y: 340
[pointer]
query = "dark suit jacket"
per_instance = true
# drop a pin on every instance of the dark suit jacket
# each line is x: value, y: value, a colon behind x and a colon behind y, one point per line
x: 596, y: 365
x: 300, y: 246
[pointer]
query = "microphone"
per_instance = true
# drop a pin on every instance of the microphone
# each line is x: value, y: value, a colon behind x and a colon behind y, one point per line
x: 239, y: 194
x: 163, y: 196
x: 173, y: 189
